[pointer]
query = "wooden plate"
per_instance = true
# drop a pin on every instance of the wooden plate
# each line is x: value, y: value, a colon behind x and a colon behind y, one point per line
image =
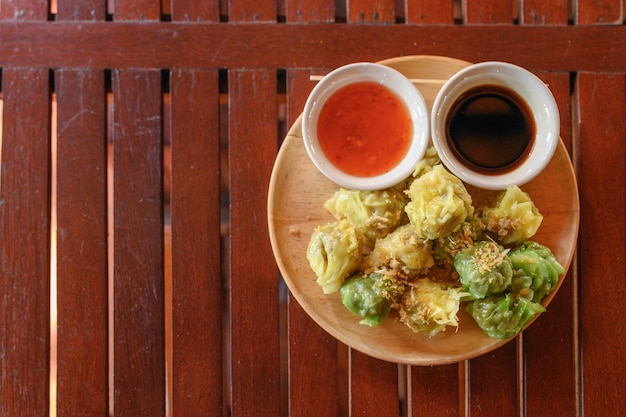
x: 295, y: 207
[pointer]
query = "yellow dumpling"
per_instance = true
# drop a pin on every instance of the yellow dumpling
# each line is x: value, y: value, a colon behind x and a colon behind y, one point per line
x: 514, y: 219
x: 439, y: 203
x: 373, y: 213
x: 404, y: 246
x: 334, y: 252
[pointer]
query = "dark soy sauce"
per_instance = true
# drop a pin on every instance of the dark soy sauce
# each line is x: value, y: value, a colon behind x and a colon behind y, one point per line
x: 491, y: 129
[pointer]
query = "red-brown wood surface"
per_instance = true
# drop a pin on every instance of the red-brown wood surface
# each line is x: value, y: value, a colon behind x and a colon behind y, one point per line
x: 314, y: 387
x: 436, y: 390
x: 602, y: 178
x: 493, y: 383
x: 373, y: 386
x: 368, y: 11
x: 24, y: 243
x: 550, y: 343
x: 604, y: 12
x: 302, y: 11
x: 138, y: 281
x: 196, y: 273
x: 137, y: 10
x: 81, y: 242
x: 253, y: 284
x: 196, y: 11
x: 202, y: 330
x: 243, y: 45
x: 488, y: 11
x: 429, y: 11
x: 539, y: 12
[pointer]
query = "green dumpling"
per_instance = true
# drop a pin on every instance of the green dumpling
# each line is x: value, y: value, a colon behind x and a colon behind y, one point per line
x: 503, y: 316
x: 536, y: 271
x: 439, y: 203
x: 484, y: 268
x: 334, y: 252
x: 361, y: 294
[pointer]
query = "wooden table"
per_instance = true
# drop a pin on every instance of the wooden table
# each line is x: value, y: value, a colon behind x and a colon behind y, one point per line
x: 137, y: 147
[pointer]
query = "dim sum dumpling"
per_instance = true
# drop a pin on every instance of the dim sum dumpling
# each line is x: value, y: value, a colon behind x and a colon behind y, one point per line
x: 484, y: 268
x: 334, y: 252
x: 373, y: 213
x: 403, y: 246
x: 439, y: 203
x: 514, y: 219
x: 429, y: 307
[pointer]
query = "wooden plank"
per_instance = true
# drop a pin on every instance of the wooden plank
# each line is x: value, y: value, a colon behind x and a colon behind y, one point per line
x: 539, y: 12
x: 196, y: 11
x: 435, y: 390
x: 253, y: 283
x: 311, y: 386
x: 139, y: 360
x: 318, y: 11
x: 24, y: 10
x: 313, y: 367
x: 243, y: 45
x: 252, y: 11
x: 602, y: 182
x: 550, y: 343
x: 137, y: 10
x: 488, y: 11
x: 195, y: 214
x: 83, y: 10
x: 368, y: 11
x: 599, y: 12
x: 25, y: 243
x: 493, y: 383
x: 429, y: 11
x: 372, y: 378
x: 81, y: 243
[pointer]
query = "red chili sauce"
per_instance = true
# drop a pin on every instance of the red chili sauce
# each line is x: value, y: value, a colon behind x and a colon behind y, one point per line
x: 364, y: 129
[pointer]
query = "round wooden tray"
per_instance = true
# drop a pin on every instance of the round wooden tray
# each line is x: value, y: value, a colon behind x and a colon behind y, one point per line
x: 295, y: 207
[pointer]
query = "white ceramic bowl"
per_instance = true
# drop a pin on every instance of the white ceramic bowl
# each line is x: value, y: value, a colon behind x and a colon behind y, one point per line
x: 397, y: 83
x: 540, y: 102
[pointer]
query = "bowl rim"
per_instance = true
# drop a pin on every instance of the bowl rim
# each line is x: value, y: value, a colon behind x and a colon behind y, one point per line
x: 406, y: 92
x: 545, y: 113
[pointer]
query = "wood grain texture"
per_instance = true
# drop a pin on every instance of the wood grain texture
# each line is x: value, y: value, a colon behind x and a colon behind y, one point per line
x: 24, y: 10
x: 602, y: 12
x: 81, y: 243
x: 436, y: 390
x: 429, y: 11
x: 307, y: 11
x: 313, y: 384
x: 253, y: 281
x: 493, y: 383
x: 488, y: 11
x: 196, y: 271
x: 138, y: 252
x: 538, y: 12
x: 196, y: 11
x: 368, y: 11
x: 602, y: 178
x: 244, y: 45
x: 252, y: 11
x: 25, y: 243
x: 367, y: 376
x: 80, y: 10
x: 549, y: 354
x: 137, y: 10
